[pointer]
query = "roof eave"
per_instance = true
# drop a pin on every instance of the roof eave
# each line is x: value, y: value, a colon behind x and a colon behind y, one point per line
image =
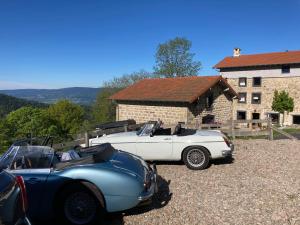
x: 150, y: 100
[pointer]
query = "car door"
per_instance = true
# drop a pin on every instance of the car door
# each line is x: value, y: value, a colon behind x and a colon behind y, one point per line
x: 35, y: 180
x: 33, y: 164
x: 154, y: 147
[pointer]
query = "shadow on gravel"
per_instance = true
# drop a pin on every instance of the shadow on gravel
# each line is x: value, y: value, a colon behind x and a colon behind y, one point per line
x: 169, y: 163
x: 221, y: 161
x: 227, y: 160
x: 159, y: 200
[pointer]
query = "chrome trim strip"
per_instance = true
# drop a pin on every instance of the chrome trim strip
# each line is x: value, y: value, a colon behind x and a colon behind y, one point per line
x: 144, y: 142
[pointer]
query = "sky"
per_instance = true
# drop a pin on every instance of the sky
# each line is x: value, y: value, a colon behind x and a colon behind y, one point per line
x: 66, y: 43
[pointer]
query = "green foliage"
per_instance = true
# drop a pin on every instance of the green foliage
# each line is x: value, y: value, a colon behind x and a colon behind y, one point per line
x: 60, y: 120
x: 104, y: 109
x: 282, y: 102
x: 9, y: 104
x: 78, y: 95
x: 67, y: 117
x: 29, y: 120
x: 127, y: 79
x: 174, y: 59
x: 4, y: 136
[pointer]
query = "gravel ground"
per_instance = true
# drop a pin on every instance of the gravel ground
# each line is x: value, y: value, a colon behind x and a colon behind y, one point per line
x: 260, y: 186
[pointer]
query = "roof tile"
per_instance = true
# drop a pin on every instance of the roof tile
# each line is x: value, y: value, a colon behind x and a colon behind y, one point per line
x: 179, y: 89
x: 275, y: 58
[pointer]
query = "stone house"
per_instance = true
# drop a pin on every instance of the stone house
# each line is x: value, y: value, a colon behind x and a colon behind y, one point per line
x: 198, y: 99
x: 256, y: 77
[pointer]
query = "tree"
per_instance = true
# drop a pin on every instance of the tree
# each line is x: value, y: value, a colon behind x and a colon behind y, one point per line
x: 10, y: 103
x: 174, y: 59
x: 5, y: 139
x: 127, y: 79
x: 282, y: 102
x: 28, y: 120
x: 67, y: 117
x: 104, y: 109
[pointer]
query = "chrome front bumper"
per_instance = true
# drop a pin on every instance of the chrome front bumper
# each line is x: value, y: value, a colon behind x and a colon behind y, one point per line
x: 147, y: 194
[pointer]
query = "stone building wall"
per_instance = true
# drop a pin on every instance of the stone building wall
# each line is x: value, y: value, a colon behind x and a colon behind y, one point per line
x: 172, y: 113
x: 144, y: 112
x: 221, y: 108
x: 267, y: 88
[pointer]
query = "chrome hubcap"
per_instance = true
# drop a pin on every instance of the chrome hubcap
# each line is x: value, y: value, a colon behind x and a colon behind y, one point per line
x: 80, y: 208
x: 195, y: 157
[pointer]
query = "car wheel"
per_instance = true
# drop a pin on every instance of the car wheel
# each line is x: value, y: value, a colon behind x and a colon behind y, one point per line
x: 79, y: 206
x: 196, y: 158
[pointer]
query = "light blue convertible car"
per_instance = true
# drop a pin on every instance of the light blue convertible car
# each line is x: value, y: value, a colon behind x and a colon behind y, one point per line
x: 78, y: 189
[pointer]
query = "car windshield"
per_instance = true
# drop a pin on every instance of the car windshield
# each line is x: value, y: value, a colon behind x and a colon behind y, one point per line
x: 146, y: 129
x: 27, y: 157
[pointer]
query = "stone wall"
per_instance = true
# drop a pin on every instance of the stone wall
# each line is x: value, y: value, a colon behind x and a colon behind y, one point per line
x: 172, y: 113
x: 144, y: 112
x: 221, y: 108
x: 267, y: 88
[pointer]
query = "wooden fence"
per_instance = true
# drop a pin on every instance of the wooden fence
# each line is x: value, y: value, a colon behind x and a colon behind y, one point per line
x: 240, y: 128
x: 233, y: 128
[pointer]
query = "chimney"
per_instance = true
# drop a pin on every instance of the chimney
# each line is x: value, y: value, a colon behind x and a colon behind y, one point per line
x: 236, y: 52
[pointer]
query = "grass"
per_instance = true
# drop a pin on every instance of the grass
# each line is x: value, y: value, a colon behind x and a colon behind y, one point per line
x: 290, y: 130
x: 251, y: 137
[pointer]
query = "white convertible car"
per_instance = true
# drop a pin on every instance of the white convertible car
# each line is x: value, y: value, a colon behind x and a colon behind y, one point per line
x: 152, y: 142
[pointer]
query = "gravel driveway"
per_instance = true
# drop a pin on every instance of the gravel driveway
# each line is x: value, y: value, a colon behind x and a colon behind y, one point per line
x: 261, y: 186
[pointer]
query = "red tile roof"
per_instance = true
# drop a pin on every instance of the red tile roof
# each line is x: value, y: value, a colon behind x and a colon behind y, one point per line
x: 275, y: 58
x: 180, y: 89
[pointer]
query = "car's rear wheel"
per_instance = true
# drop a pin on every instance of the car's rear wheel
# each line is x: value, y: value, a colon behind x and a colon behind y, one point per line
x: 196, y: 158
x: 79, y: 206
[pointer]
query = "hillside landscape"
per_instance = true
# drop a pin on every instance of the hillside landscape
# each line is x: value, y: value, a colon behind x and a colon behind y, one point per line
x: 9, y: 104
x: 78, y: 95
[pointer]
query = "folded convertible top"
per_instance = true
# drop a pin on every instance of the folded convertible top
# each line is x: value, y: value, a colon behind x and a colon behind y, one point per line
x: 96, y: 154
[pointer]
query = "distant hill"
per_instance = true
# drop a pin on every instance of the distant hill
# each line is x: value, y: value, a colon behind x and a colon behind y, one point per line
x: 9, y: 104
x: 79, y: 95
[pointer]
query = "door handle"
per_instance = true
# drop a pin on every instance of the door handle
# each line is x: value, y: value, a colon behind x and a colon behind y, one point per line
x: 167, y: 139
x: 34, y: 180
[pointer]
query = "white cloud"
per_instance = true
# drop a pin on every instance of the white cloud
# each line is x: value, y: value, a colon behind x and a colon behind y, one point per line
x: 6, y: 85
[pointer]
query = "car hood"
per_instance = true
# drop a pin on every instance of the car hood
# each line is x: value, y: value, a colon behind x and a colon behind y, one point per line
x: 130, y: 163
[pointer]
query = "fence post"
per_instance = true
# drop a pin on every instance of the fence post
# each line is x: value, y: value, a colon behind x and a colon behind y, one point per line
x: 86, y: 139
x: 232, y: 129
x: 270, y: 129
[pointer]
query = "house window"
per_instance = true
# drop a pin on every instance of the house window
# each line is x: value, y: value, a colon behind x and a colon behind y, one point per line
x: 256, y: 98
x: 241, y: 115
x: 296, y: 119
x: 285, y: 69
x: 209, y: 100
x: 256, y: 81
x: 274, y: 117
x: 208, y: 119
x: 242, y: 82
x: 242, y: 97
